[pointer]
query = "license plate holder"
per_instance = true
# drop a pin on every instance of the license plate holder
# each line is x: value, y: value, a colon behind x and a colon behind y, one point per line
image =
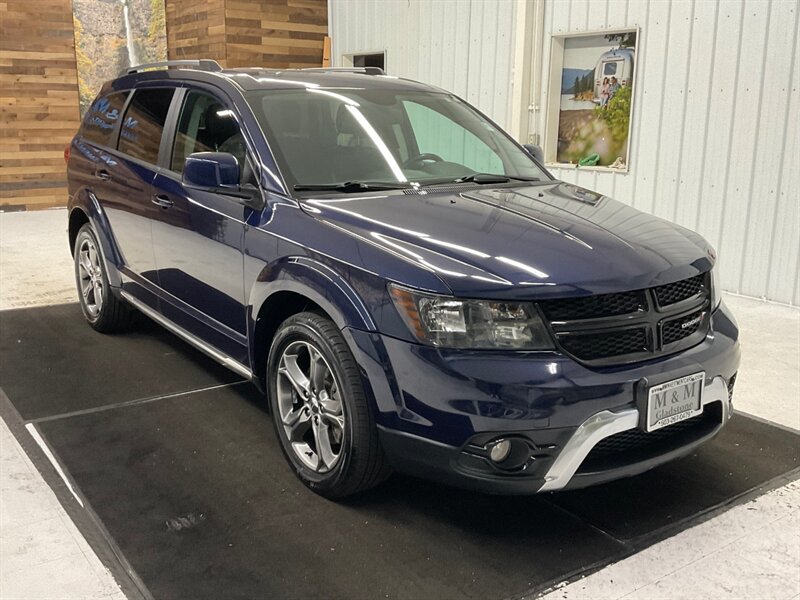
x: 674, y: 401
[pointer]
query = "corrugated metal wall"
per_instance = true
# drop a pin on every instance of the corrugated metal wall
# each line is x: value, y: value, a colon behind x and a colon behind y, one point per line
x: 716, y: 132
x: 465, y: 46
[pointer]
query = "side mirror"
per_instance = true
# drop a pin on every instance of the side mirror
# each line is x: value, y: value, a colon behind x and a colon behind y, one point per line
x: 535, y: 152
x: 219, y: 172
x: 211, y: 170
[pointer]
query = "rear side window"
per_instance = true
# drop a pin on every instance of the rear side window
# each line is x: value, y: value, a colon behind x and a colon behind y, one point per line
x: 102, y: 117
x: 143, y: 123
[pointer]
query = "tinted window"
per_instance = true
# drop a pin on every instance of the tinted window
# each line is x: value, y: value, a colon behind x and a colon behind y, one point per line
x: 610, y: 68
x: 102, y: 117
x: 438, y: 134
x: 353, y: 134
x: 205, y: 125
x: 143, y: 124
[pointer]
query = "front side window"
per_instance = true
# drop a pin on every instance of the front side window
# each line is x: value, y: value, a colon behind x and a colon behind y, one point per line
x: 336, y: 135
x: 143, y: 123
x: 205, y: 125
x: 101, y: 118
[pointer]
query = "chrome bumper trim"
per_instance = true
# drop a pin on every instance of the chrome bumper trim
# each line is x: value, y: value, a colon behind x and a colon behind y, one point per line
x: 608, y: 423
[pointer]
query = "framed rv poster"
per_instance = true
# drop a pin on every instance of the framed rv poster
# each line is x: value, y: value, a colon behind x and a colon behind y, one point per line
x: 590, y: 107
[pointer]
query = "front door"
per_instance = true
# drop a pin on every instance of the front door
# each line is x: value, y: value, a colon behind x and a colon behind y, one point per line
x: 198, y: 236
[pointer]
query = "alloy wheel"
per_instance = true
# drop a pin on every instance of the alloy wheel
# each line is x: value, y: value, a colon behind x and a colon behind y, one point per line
x: 90, y: 278
x: 310, y: 406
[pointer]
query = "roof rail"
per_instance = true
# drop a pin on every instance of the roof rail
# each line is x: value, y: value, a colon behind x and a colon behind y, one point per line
x: 363, y: 70
x: 201, y: 65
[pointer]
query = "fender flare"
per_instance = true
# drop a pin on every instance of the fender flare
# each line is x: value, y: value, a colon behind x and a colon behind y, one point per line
x: 88, y: 203
x: 316, y: 281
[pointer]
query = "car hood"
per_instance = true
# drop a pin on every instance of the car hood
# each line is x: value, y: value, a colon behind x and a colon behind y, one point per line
x: 533, y: 241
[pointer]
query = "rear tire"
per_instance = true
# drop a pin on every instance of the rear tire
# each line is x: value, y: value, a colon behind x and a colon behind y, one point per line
x: 320, y: 412
x: 103, y: 310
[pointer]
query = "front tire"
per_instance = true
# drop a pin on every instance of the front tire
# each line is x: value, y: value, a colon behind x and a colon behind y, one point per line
x: 103, y: 310
x: 319, y: 409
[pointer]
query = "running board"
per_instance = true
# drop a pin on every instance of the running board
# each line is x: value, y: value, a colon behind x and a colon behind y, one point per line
x: 223, y: 359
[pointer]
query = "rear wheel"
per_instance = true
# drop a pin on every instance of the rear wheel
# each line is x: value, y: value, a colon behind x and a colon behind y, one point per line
x: 103, y: 310
x: 321, y: 416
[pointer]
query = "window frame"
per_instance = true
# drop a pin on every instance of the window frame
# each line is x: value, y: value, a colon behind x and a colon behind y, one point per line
x: 348, y: 58
x: 171, y: 129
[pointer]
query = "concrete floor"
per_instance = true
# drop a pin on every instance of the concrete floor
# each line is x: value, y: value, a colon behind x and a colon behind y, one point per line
x: 752, y: 550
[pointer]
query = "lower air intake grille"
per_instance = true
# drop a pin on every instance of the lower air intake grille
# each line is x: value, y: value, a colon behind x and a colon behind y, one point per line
x: 601, y: 345
x: 635, y: 445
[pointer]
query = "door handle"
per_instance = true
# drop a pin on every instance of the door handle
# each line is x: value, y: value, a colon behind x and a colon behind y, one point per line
x: 162, y: 201
x: 103, y: 175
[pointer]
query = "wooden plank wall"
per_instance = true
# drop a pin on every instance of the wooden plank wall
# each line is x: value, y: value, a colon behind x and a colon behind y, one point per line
x: 196, y: 29
x: 38, y: 101
x: 38, y: 75
x: 252, y: 33
x: 276, y: 33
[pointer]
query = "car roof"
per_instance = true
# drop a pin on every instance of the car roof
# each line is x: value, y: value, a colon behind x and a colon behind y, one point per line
x: 247, y: 79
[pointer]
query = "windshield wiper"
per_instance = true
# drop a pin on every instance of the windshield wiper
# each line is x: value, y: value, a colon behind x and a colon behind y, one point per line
x: 493, y: 178
x: 350, y: 187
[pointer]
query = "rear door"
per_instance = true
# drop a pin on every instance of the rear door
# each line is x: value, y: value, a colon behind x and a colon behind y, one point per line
x: 198, y: 235
x: 127, y: 199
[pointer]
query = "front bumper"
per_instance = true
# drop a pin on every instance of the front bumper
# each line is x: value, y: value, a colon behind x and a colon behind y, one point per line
x: 438, y: 410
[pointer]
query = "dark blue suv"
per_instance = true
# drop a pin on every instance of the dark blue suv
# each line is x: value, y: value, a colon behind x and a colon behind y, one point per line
x: 410, y: 288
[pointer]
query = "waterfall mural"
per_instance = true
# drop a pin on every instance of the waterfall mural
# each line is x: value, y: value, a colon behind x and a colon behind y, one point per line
x: 111, y: 35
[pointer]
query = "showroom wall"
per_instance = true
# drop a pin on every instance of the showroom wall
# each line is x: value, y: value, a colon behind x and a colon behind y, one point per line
x: 716, y: 113
x: 236, y: 33
x: 38, y: 101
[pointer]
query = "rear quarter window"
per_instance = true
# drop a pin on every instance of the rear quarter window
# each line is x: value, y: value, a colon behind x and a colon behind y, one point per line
x: 143, y: 123
x: 101, y: 119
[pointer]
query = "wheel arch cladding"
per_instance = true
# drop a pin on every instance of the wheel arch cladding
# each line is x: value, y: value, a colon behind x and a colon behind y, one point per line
x: 293, y: 285
x: 87, y: 209
x: 77, y: 219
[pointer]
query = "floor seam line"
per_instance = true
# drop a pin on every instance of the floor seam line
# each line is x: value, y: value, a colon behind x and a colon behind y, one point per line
x: 127, y: 403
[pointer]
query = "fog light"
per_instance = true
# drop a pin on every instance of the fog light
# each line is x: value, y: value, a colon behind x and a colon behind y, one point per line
x: 500, y: 450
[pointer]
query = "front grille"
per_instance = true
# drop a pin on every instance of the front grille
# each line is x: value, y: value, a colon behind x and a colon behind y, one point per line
x: 604, y: 345
x: 680, y: 290
x: 604, y: 305
x: 677, y: 329
x: 636, y: 445
x: 625, y: 327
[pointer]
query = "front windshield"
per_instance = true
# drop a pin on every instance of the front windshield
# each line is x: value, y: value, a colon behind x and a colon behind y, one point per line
x: 332, y: 136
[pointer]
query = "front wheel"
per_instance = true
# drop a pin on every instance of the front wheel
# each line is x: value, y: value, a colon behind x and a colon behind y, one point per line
x: 319, y: 409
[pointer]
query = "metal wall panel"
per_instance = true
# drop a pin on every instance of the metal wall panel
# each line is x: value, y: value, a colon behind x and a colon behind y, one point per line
x: 464, y: 46
x: 716, y: 128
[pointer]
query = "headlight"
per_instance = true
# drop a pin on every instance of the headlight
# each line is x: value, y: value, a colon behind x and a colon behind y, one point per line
x: 716, y: 295
x: 478, y: 324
